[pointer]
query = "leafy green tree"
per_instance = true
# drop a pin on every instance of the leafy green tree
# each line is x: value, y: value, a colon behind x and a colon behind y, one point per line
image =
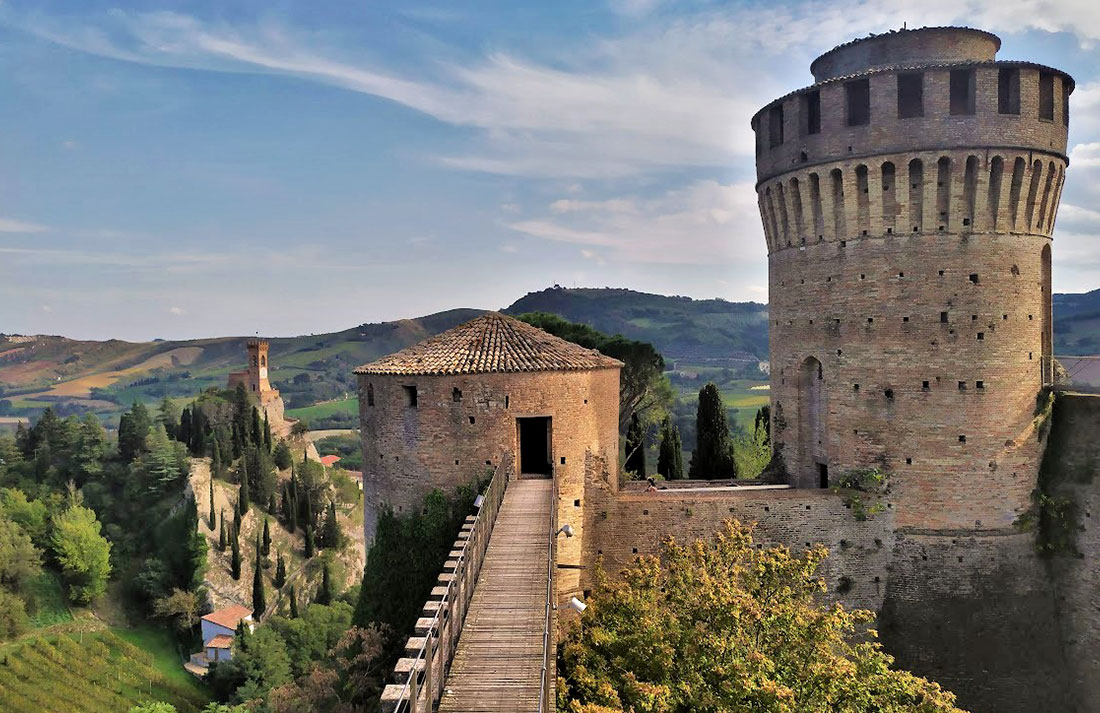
x: 181, y: 607
x: 265, y: 548
x: 31, y: 515
x: 752, y: 451
x: 133, y: 427
x: 280, y: 571
x: 168, y: 415
x: 331, y: 534
x: 260, y: 662
x: 153, y: 707
x: 259, y: 601
x: 763, y: 421
x: 670, y: 456
x: 13, y: 615
x: 713, y: 455
x: 635, y: 448
x: 324, y: 594
x: 235, y: 557
x: 82, y: 552
x: 283, y: 457
x: 20, y: 560
x: 759, y: 640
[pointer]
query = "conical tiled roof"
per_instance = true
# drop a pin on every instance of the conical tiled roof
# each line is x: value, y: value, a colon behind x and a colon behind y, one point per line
x: 490, y: 343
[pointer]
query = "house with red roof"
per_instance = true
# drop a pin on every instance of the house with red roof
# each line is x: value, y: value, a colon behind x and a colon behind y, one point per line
x: 219, y: 628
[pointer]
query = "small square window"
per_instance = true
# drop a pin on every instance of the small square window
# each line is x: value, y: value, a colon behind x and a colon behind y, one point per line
x: 908, y: 461
x: 974, y: 277
x: 471, y: 420
x: 981, y: 336
x: 962, y: 386
x: 576, y: 503
x: 925, y: 385
x: 904, y: 319
x: 563, y: 460
x: 943, y: 317
x: 1004, y: 316
x: 889, y: 394
x: 941, y: 273
x: 456, y: 395
x: 979, y: 384
x: 962, y: 439
x: 855, y: 387
x: 410, y: 396
x: 870, y: 320
x: 973, y: 318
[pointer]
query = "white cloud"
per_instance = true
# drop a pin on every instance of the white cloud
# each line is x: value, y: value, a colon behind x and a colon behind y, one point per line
x: 176, y: 311
x: 705, y: 223
x: 10, y: 225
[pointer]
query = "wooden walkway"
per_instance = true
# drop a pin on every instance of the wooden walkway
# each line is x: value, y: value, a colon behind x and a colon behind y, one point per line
x: 498, y: 665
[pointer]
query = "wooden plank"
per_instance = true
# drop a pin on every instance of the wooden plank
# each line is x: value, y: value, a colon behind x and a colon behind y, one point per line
x: 498, y: 664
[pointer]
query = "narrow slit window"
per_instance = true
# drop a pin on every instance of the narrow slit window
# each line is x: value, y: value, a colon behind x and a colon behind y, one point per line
x: 370, y: 394
x: 456, y: 395
x: 811, y: 111
x: 962, y: 91
x: 943, y: 317
x: 1008, y: 91
x: 858, y: 95
x: 1046, y: 96
x: 1065, y: 101
x: 775, y: 126
x: 910, y: 95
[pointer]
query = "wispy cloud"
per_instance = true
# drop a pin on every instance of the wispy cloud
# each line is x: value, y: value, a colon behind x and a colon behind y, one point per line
x: 705, y: 223
x: 11, y: 225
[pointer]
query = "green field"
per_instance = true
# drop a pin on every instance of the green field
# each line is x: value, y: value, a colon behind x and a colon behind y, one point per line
x: 49, y: 603
x: 737, y: 394
x: 96, y: 672
x: 344, y: 407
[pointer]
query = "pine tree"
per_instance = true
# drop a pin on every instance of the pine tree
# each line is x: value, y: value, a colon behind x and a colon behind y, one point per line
x: 713, y: 455
x: 267, y: 433
x: 293, y: 603
x: 265, y: 549
x: 213, y: 513
x: 280, y: 571
x: 235, y: 557
x: 221, y: 535
x: 331, y: 534
x: 259, y: 601
x: 635, y: 448
x: 670, y: 457
x: 133, y: 427
x: 309, y: 541
x: 283, y: 457
x: 324, y: 594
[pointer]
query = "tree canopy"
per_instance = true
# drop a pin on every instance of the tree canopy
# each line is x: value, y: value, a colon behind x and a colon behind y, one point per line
x: 725, y: 626
x: 83, y: 553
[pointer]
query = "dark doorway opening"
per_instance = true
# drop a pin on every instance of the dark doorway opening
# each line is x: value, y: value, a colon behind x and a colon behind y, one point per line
x: 823, y: 475
x: 535, y: 456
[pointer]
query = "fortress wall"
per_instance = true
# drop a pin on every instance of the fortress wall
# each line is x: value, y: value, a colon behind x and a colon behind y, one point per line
x: 976, y: 612
x: 1072, y: 461
x: 622, y: 526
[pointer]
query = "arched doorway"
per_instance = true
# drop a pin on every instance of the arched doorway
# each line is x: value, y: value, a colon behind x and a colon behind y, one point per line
x: 1046, y: 319
x: 813, y: 463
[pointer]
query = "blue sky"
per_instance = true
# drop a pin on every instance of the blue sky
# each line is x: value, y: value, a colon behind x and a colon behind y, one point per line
x: 211, y: 167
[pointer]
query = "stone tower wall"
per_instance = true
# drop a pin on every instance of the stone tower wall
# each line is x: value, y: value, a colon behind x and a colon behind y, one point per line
x: 444, y: 443
x: 910, y: 258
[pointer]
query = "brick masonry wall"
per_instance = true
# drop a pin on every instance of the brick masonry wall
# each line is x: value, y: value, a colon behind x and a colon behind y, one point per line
x: 444, y: 443
x: 622, y: 526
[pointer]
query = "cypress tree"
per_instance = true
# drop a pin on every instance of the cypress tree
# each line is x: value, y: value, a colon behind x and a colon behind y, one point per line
x: 266, y: 548
x: 213, y: 513
x: 280, y: 571
x: 331, y: 535
x: 221, y: 535
x: 216, y: 461
x: 237, y: 517
x: 238, y: 446
x: 267, y: 433
x: 635, y: 448
x: 183, y: 433
x: 259, y: 601
x: 670, y: 457
x: 713, y: 455
x: 272, y: 506
x: 243, y: 497
x: 235, y: 558
x: 309, y: 541
x: 293, y: 603
x: 324, y: 594
x: 256, y: 430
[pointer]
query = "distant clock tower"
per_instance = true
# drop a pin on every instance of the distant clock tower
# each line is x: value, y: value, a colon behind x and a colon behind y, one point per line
x: 255, y: 377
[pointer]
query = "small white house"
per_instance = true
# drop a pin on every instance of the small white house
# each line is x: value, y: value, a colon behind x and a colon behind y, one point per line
x: 218, y: 631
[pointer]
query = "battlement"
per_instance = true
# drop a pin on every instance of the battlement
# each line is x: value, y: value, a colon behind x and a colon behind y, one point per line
x: 900, y: 47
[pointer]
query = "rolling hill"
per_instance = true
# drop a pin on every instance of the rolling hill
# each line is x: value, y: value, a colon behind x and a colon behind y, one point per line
x: 694, y: 335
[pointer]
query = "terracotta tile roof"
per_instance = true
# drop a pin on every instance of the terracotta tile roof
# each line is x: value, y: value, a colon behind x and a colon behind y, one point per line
x: 490, y: 343
x: 228, y: 617
x: 330, y: 460
x: 221, y: 641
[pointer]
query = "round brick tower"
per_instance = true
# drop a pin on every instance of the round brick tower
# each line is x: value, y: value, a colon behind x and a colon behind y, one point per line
x: 908, y: 198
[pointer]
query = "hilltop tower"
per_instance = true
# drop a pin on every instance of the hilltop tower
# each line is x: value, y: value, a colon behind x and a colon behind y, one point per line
x: 908, y: 198
x: 254, y: 377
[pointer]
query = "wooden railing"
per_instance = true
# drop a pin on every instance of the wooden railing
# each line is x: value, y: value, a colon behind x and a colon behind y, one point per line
x: 428, y: 653
x: 548, y: 681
